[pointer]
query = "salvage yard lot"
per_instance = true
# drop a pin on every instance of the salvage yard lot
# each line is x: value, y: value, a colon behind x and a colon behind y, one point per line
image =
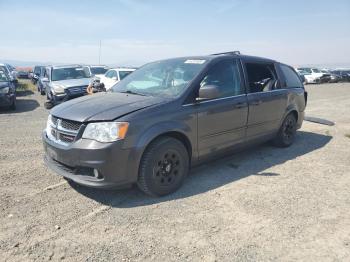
x: 265, y: 203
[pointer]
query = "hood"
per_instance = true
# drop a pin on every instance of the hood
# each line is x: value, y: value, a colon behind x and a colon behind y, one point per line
x: 103, y: 106
x: 73, y: 82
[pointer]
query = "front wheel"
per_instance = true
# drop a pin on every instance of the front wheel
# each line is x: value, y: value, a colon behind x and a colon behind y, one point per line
x: 163, y: 167
x: 286, y: 134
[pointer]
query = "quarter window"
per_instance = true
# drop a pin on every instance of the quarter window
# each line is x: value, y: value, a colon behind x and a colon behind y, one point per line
x: 224, y: 75
x: 292, y: 79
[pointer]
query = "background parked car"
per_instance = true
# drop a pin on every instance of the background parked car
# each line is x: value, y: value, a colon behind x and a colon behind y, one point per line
x: 333, y: 78
x: 10, y: 71
x: 23, y: 74
x: 40, y: 83
x: 36, y: 73
x: 343, y: 74
x: 312, y: 75
x: 62, y: 83
x: 113, y: 76
x: 7, y: 90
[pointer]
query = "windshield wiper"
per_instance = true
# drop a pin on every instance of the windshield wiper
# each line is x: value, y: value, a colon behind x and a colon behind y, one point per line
x: 133, y: 93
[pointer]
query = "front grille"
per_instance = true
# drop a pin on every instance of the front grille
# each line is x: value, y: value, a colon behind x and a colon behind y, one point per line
x: 76, y: 90
x: 63, y: 131
x: 70, y: 125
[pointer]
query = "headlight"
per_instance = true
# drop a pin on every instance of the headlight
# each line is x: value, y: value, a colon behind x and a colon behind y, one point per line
x: 4, y: 90
x: 106, y: 131
x: 58, y: 89
x: 49, y: 126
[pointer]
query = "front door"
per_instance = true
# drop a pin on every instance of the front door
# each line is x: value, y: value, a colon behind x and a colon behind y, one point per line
x: 222, y: 121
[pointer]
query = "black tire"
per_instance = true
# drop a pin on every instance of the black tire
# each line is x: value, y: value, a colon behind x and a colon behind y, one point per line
x: 163, y: 167
x: 42, y: 92
x: 286, y: 134
x: 13, y: 105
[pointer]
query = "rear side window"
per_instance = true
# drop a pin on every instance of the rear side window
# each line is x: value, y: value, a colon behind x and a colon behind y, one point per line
x: 224, y: 75
x: 292, y: 79
x: 261, y: 77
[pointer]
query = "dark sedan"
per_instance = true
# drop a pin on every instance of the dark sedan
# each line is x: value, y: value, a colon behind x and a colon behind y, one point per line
x: 7, y: 91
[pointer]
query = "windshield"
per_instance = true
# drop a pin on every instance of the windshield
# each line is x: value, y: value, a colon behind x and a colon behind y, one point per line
x: 68, y: 73
x: 98, y: 70
x: 3, y: 76
x: 168, y: 78
x: 315, y: 70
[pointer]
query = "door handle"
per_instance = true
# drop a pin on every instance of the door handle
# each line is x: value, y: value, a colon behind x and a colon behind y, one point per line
x: 240, y: 105
x: 256, y: 102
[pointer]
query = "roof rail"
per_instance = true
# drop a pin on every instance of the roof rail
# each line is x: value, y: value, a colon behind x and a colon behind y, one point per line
x: 229, y: 53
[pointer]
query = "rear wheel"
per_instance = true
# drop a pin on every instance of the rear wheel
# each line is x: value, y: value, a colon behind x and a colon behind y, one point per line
x: 286, y: 134
x: 163, y: 167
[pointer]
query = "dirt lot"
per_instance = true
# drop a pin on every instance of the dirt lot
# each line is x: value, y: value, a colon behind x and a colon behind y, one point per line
x: 263, y: 204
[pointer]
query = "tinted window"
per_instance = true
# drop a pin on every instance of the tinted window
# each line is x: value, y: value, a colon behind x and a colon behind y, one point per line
x: 224, y: 75
x: 98, y: 70
x: 261, y: 77
x: 123, y: 74
x: 292, y: 79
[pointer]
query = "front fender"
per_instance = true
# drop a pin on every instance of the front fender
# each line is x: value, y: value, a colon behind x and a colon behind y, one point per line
x: 159, y: 129
x: 148, y: 135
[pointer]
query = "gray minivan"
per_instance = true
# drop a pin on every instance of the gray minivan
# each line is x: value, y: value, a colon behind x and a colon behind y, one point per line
x: 170, y: 115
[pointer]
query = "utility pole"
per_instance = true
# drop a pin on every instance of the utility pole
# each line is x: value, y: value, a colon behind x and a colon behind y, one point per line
x: 99, y: 54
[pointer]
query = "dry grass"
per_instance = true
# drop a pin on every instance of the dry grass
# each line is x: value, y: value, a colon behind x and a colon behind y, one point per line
x: 25, y: 85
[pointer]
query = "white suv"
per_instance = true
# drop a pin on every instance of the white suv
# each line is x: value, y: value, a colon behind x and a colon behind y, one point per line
x: 113, y: 76
x: 311, y: 75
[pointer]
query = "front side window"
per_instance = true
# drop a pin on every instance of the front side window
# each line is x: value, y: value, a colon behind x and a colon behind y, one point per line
x: 167, y: 78
x: 109, y: 74
x: 292, y: 79
x: 225, y: 76
x: 261, y: 77
x: 59, y: 74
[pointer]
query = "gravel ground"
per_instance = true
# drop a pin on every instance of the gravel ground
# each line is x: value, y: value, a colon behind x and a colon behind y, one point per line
x: 265, y: 203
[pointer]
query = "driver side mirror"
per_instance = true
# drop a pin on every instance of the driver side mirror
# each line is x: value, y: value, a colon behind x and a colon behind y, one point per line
x: 208, y: 92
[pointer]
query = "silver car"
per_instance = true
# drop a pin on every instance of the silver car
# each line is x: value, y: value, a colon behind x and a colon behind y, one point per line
x: 63, y: 83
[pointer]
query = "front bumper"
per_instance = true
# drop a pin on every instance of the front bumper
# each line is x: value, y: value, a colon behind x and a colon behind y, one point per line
x: 116, y: 165
x: 69, y: 93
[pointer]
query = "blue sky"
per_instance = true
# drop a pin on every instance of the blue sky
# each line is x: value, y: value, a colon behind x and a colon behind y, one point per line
x: 133, y: 32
